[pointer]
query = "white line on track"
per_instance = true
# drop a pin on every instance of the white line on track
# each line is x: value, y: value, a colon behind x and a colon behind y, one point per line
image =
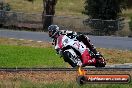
x: 39, y: 41
x: 27, y: 40
x: 21, y: 39
x: 30, y: 40
x: 12, y: 38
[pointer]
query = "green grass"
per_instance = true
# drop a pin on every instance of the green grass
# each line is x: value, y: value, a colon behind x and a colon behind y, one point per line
x: 22, y: 56
x: 28, y: 84
x: 75, y: 85
x: 25, y: 6
x: 115, y: 56
x: 16, y: 53
x: 70, y: 7
x: 127, y: 13
x: 26, y: 56
x: 63, y: 7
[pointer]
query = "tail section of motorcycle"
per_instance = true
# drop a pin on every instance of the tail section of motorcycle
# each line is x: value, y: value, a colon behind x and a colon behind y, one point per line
x: 100, y: 60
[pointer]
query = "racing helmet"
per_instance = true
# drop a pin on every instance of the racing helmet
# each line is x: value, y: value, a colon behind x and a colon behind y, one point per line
x: 53, y: 30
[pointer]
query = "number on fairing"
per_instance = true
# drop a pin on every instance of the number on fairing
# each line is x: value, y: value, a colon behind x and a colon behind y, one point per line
x: 78, y: 45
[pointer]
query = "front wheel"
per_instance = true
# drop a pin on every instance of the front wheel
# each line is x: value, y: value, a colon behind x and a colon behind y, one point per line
x: 70, y: 56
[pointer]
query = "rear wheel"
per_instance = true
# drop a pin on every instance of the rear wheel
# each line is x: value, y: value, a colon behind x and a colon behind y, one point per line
x: 100, y: 63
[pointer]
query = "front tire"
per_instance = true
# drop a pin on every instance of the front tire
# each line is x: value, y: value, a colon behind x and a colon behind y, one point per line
x: 69, y: 57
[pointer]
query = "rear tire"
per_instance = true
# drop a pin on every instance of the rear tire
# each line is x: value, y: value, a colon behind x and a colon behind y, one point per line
x: 100, y: 63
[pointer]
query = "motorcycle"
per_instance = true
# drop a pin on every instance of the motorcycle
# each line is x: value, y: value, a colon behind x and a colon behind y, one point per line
x: 69, y: 47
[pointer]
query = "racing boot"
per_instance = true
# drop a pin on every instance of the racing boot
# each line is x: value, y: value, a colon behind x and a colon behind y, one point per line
x: 87, y: 60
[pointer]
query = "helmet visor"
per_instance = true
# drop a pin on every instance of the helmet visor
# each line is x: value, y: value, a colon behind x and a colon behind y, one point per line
x: 50, y: 33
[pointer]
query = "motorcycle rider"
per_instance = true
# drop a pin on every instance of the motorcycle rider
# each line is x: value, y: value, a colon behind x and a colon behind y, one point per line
x: 57, y: 35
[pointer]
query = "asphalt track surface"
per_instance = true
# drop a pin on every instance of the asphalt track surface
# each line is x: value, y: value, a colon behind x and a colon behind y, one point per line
x: 124, y: 43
